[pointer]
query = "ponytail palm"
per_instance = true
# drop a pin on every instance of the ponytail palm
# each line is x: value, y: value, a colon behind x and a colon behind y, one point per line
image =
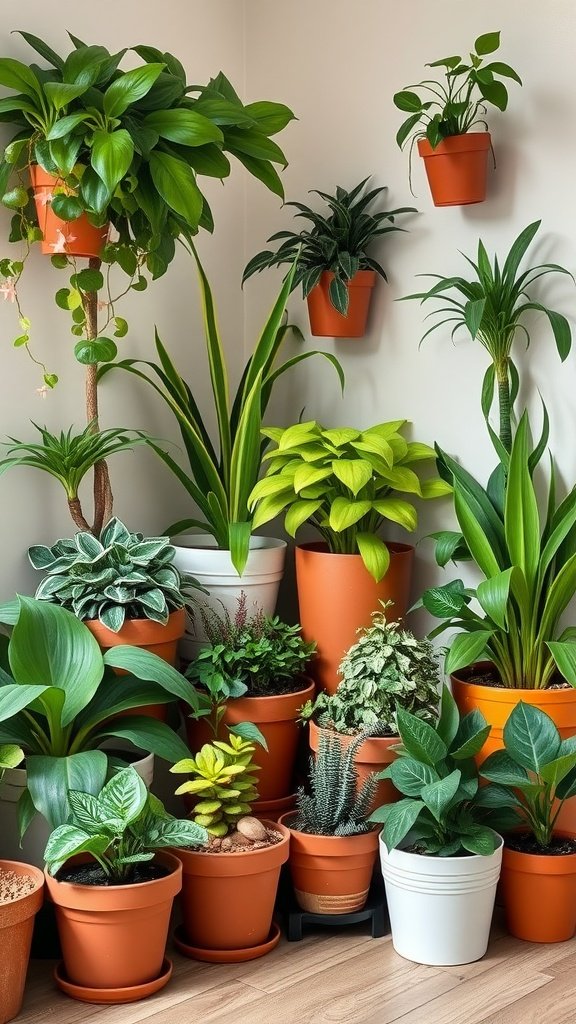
x: 491, y: 307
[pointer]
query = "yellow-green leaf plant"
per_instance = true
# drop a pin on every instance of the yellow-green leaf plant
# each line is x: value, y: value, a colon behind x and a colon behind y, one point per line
x: 346, y: 483
x: 224, y: 781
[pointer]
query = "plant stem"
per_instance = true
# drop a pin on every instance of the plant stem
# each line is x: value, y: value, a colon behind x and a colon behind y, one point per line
x: 503, y: 383
x: 102, y: 490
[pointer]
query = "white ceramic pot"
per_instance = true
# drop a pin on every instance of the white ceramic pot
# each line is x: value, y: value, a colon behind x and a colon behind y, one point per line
x: 212, y: 567
x: 440, y: 907
x: 36, y: 837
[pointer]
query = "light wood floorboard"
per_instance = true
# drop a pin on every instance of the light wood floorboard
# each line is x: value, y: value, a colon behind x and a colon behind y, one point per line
x: 341, y: 977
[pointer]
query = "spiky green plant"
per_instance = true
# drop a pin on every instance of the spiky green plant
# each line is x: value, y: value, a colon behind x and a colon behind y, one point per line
x: 224, y: 780
x: 333, y: 806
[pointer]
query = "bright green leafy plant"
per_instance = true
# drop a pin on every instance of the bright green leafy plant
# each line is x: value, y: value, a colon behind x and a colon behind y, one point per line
x: 441, y: 813
x: 528, y: 562
x: 335, y: 243
x: 332, y: 805
x: 386, y: 667
x: 345, y: 483
x: 457, y: 104
x: 222, y: 474
x: 224, y: 779
x: 59, y: 699
x: 119, y: 576
x: 120, y: 827
x: 533, y: 775
x: 491, y: 307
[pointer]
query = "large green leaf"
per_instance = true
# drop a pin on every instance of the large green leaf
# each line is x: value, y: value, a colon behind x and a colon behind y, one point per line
x: 564, y: 654
x: 521, y: 518
x: 466, y: 648
x: 147, y: 734
x: 399, y: 821
x: 145, y: 665
x: 14, y: 698
x: 530, y: 736
x: 18, y: 76
x: 111, y: 157
x: 493, y: 595
x: 476, y: 539
x: 124, y: 796
x: 420, y: 739
x: 375, y: 554
x: 50, y: 779
x: 353, y: 473
x: 176, y: 184
x: 183, y: 126
x: 409, y: 775
x: 130, y: 87
x: 438, y: 795
x: 471, y: 735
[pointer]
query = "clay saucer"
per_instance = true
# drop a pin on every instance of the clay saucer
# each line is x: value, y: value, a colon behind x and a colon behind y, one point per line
x: 226, y: 956
x: 112, y: 995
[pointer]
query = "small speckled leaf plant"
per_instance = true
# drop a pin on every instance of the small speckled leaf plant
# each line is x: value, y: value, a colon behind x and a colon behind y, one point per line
x: 224, y: 779
x: 440, y: 813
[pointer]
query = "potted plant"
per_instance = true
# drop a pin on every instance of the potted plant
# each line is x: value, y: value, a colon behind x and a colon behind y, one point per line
x: 113, y: 882
x: 333, y: 846
x: 491, y: 307
x: 21, y: 895
x: 533, y: 776
x: 346, y: 483
x: 229, y: 888
x: 225, y: 557
x: 125, y: 148
x: 253, y: 671
x: 440, y: 860
x: 455, y: 156
x: 122, y: 585
x: 334, y: 269
x: 510, y: 644
x: 61, y: 703
x: 386, y: 667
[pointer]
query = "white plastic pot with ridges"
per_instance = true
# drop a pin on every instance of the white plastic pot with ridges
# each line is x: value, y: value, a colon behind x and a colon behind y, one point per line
x: 440, y: 907
x: 34, y: 842
x: 212, y: 567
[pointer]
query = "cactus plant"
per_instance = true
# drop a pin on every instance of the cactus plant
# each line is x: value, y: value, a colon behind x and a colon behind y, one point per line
x: 224, y: 780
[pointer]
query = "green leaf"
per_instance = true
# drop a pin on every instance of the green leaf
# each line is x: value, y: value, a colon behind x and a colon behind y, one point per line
x: 449, y: 720
x: 438, y: 795
x: 184, y: 126
x: 50, y: 779
x: 249, y: 731
x: 176, y: 184
x: 471, y: 736
x: 345, y: 513
x: 420, y: 739
x: 375, y: 554
x: 60, y: 94
x: 148, y: 734
x: 100, y: 350
x: 564, y: 654
x: 353, y: 473
x: 397, y: 511
x: 130, y: 87
x: 493, y: 595
x: 68, y: 841
x: 466, y: 648
x: 409, y: 776
x: 482, y: 841
x: 124, y: 796
x: 503, y: 770
x: 111, y: 156
x: 408, y: 101
x: 446, y: 601
x: 530, y: 737
x: 399, y: 821
x: 487, y: 43
x: 14, y: 698
x: 15, y: 75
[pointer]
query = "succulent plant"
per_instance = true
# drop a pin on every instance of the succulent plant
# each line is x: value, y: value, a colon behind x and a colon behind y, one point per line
x: 386, y: 667
x: 120, y: 576
x: 334, y: 806
x: 224, y: 780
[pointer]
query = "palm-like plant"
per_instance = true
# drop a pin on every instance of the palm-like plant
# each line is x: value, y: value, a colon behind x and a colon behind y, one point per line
x: 336, y: 243
x: 490, y: 307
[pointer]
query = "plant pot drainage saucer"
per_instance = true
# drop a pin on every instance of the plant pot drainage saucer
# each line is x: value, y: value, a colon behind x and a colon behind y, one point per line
x: 226, y: 956
x: 112, y: 995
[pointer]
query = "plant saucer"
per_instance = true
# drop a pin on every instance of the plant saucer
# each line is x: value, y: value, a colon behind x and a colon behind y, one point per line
x: 129, y: 994
x: 226, y: 956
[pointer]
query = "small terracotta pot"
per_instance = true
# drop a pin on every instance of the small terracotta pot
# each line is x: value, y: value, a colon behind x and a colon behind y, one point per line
x: 539, y: 894
x: 115, y: 936
x: 70, y: 237
x: 228, y: 898
x: 276, y: 717
x: 457, y: 168
x: 16, y: 927
x: 331, y: 874
x: 373, y: 755
x: 336, y: 597
x: 327, y: 322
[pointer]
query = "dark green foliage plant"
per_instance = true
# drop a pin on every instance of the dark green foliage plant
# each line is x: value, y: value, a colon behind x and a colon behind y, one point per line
x: 331, y: 804
x: 336, y: 242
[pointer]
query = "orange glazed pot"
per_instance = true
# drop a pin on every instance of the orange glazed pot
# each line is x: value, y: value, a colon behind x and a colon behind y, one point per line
x: 539, y: 894
x: 373, y: 755
x: 331, y: 874
x: 228, y: 898
x: 16, y: 926
x: 276, y: 717
x: 115, y: 936
x: 336, y: 598
x: 457, y: 168
x: 70, y: 237
x: 327, y: 322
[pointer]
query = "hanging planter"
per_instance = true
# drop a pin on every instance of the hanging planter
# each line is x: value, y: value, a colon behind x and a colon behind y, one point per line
x: 70, y: 237
x: 457, y: 168
x: 328, y: 322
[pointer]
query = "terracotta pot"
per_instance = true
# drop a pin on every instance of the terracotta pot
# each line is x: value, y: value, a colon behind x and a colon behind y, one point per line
x: 457, y: 168
x: 16, y: 926
x: 539, y: 894
x: 228, y: 898
x: 115, y: 936
x: 331, y: 874
x: 327, y: 322
x: 336, y: 597
x: 70, y: 237
x: 276, y: 717
x: 373, y: 755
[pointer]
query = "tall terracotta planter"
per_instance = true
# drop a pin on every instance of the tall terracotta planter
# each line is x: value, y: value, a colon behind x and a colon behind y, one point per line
x: 539, y: 894
x: 336, y: 598
x: 16, y: 926
x: 153, y: 636
x: 327, y: 322
x: 70, y: 237
x: 276, y: 717
x: 114, y: 937
x: 372, y: 756
x: 331, y: 874
x: 457, y: 168
x: 228, y: 900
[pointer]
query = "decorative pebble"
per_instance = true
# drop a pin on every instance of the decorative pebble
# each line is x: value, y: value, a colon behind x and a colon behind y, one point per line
x: 252, y: 828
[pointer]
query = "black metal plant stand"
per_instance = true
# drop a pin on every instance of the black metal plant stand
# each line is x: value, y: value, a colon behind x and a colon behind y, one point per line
x: 374, y: 910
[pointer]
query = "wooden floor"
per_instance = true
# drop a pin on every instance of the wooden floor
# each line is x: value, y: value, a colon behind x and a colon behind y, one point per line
x: 334, y: 977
